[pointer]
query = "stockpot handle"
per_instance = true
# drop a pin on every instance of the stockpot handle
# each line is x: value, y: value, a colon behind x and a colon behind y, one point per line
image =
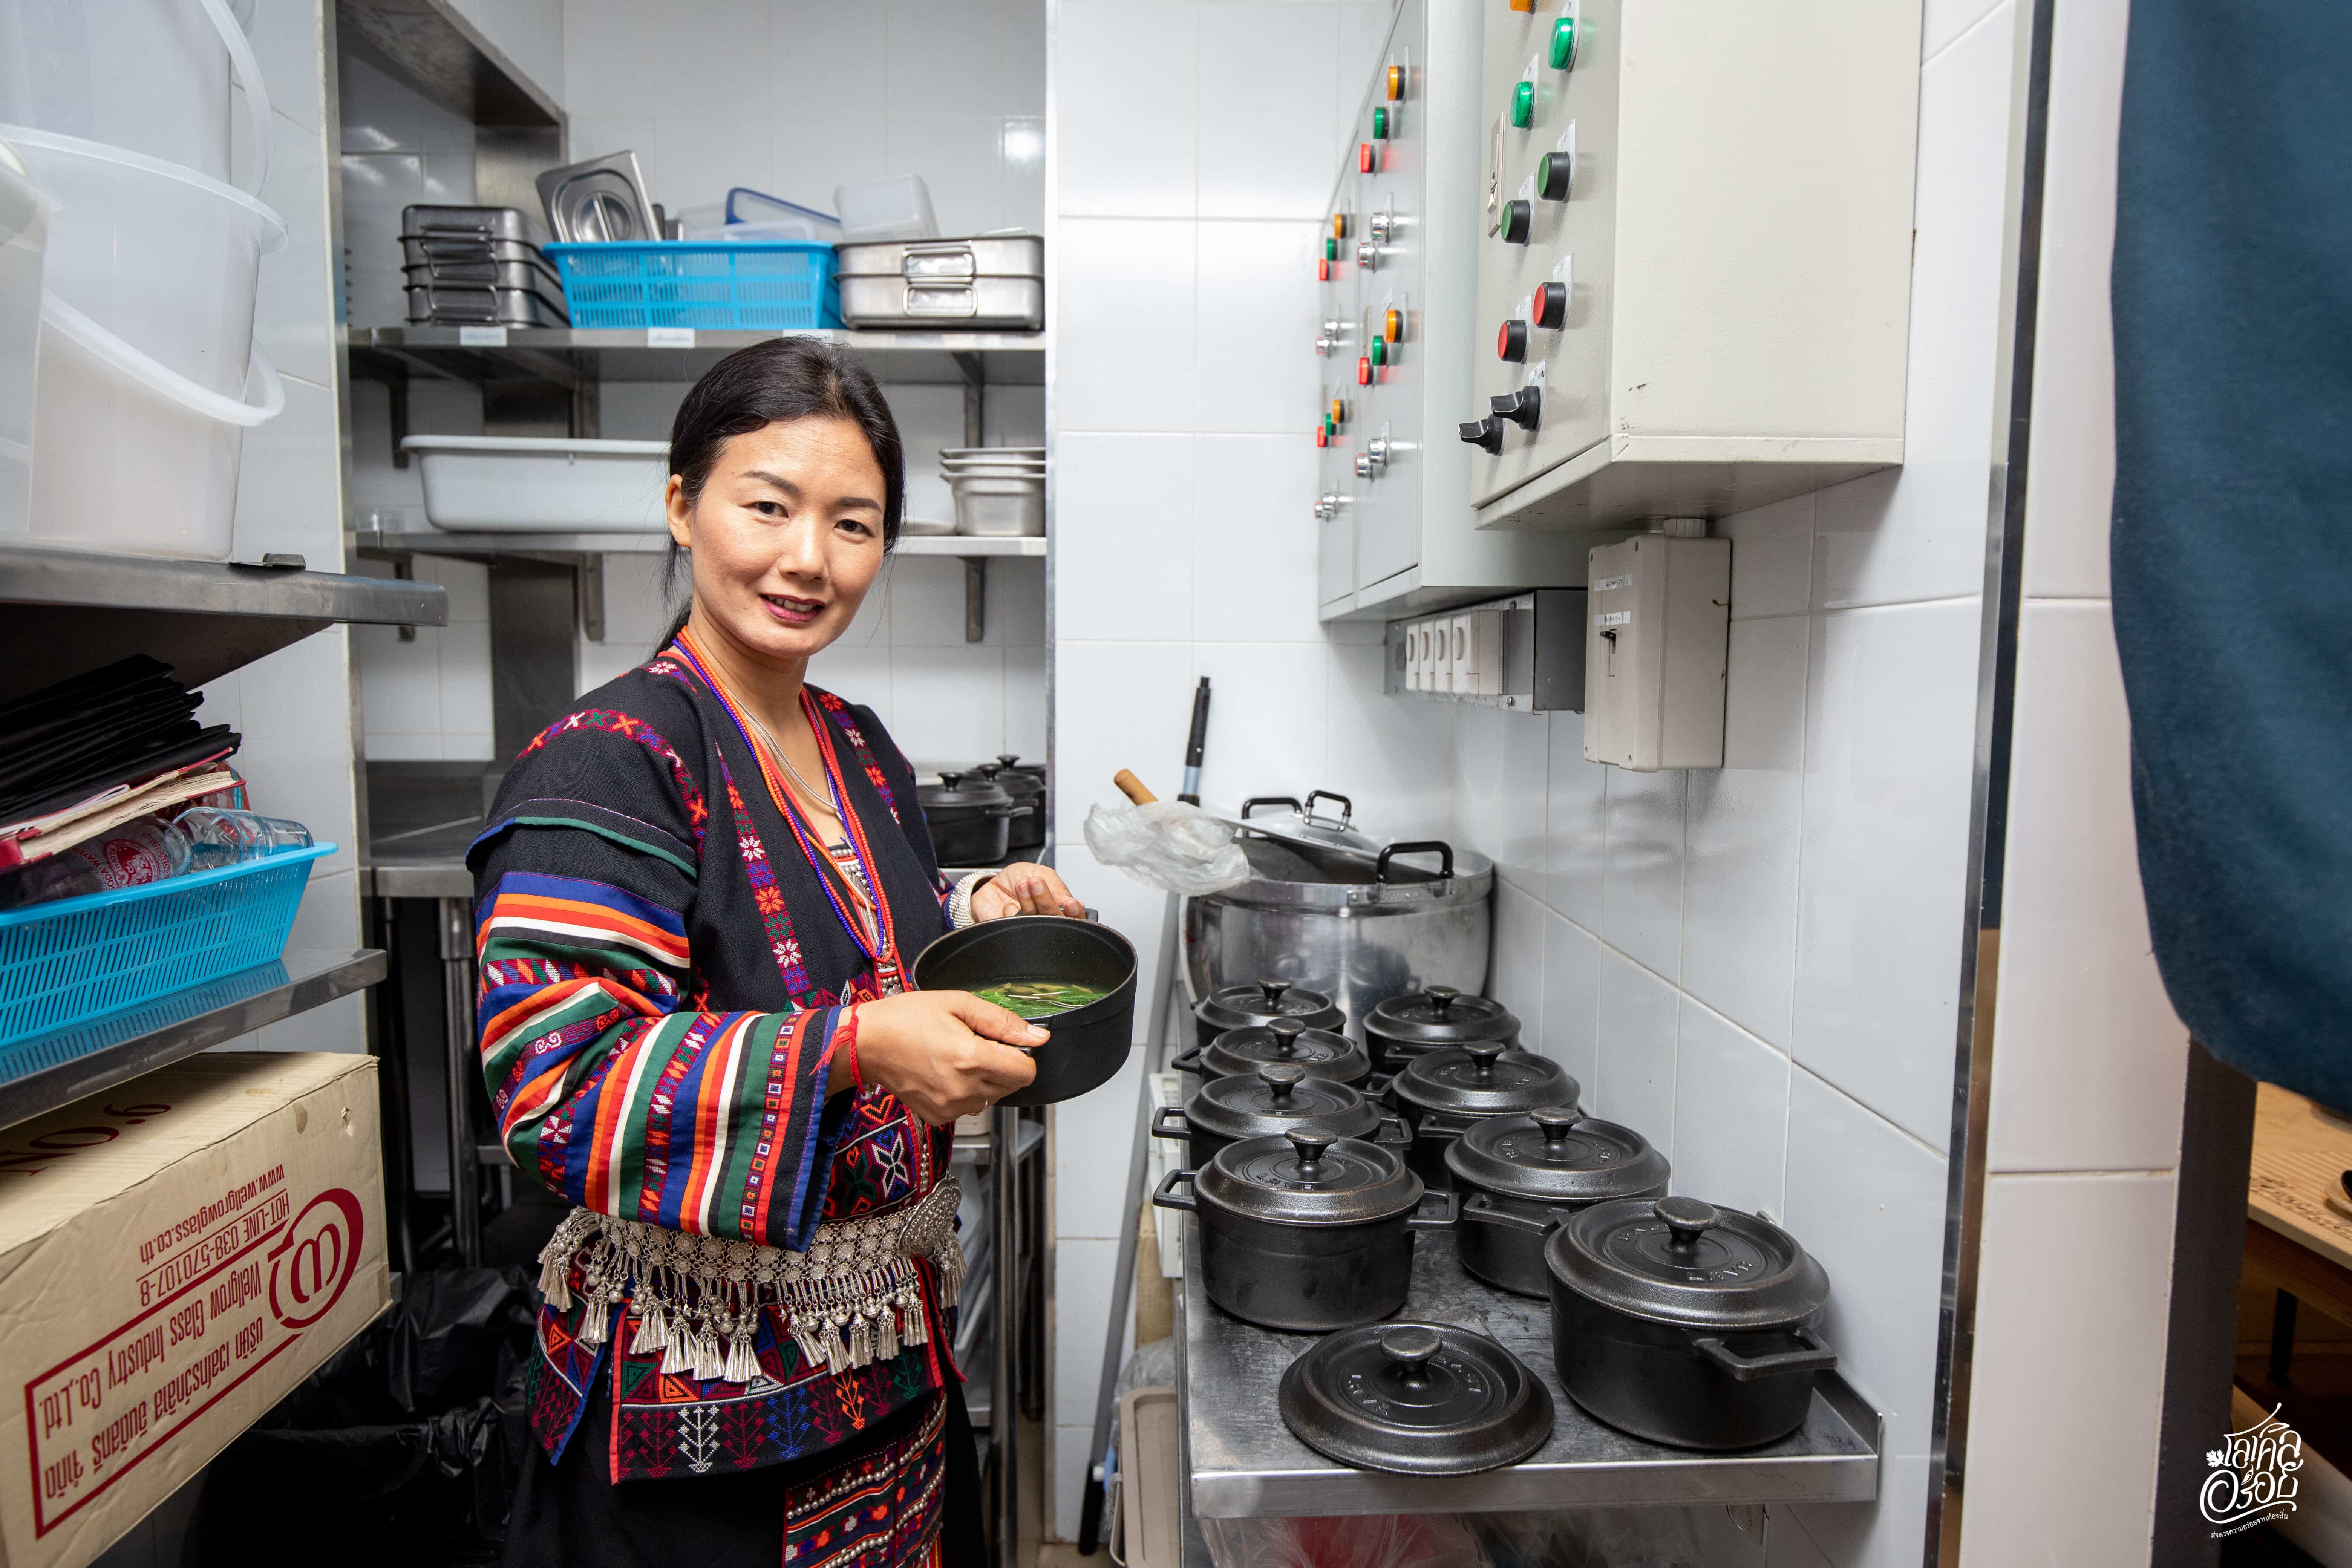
x: 1437, y: 847
x: 1482, y: 1210
x: 1187, y: 1060
x: 1452, y: 1202
x: 1165, y: 1196
x: 1254, y: 802
x: 1815, y: 1357
x: 1346, y: 806
x: 1163, y: 1127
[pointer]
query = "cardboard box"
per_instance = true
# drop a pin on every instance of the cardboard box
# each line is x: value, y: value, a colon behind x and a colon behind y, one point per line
x: 175, y: 1255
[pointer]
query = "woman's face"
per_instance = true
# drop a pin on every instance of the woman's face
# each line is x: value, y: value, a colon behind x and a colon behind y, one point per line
x: 786, y: 535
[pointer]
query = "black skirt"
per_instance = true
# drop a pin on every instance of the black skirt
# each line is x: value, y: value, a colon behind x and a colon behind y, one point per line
x: 570, y: 1514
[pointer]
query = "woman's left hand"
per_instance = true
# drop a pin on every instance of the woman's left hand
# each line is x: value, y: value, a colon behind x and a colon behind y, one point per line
x: 1025, y: 889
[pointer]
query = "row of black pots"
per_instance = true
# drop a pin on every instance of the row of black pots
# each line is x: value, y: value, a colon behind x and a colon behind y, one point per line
x: 1396, y: 1031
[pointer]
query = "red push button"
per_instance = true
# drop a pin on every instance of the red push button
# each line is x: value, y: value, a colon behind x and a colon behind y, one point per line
x: 1322, y: 271
x: 1364, y: 371
x: 1511, y: 342
x: 1551, y: 305
x: 1366, y: 159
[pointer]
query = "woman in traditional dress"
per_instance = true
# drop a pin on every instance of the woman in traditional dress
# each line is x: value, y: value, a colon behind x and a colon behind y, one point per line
x: 696, y: 903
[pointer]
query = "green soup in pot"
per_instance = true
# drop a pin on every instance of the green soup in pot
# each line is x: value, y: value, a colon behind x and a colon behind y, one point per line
x: 1040, y: 998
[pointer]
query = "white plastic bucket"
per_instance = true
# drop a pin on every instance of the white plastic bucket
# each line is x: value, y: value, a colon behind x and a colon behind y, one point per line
x: 148, y: 75
x: 159, y: 255
x: 24, y: 235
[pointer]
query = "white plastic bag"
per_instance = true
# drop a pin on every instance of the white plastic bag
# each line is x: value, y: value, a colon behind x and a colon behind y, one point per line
x: 1167, y: 845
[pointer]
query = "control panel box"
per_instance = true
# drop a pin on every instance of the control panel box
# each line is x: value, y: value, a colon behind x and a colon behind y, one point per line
x: 1656, y: 646
x: 1397, y: 290
x: 1525, y: 651
x: 1693, y: 255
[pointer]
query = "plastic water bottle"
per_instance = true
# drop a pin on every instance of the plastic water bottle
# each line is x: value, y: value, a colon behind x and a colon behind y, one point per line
x: 219, y: 839
x: 144, y: 849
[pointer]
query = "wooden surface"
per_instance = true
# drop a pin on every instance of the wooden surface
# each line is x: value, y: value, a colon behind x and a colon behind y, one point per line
x: 2300, y: 1156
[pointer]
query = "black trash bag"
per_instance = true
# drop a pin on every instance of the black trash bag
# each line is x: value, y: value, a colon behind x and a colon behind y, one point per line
x: 403, y: 1448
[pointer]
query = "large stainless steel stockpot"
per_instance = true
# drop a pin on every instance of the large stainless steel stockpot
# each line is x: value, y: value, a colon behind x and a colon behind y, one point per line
x: 1369, y: 928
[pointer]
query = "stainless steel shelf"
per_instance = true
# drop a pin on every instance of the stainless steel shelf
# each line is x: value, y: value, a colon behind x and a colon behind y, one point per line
x: 58, y: 1068
x: 1247, y: 1465
x: 436, y: 542
x: 980, y: 1148
x: 572, y: 355
x: 449, y: 61
x: 74, y: 610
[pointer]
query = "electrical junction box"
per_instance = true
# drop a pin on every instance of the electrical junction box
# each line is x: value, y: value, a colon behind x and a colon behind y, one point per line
x: 1694, y: 234
x: 1396, y: 295
x: 1655, y: 647
x: 1523, y: 652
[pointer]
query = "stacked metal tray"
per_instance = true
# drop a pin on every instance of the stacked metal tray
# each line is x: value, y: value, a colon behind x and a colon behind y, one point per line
x: 477, y: 267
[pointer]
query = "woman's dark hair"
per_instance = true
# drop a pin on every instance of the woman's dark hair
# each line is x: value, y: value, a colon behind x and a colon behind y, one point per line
x: 775, y: 382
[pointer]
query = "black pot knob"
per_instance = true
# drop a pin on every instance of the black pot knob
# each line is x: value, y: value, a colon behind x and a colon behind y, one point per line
x: 1518, y: 219
x: 1484, y: 434
x: 1280, y: 1079
x: 1006, y: 759
x: 1482, y: 1059
x: 952, y: 781
x: 990, y: 770
x: 1555, y: 172
x: 1441, y: 998
x: 1285, y: 1035
x: 1412, y: 1347
x: 1523, y: 409
x: 1273, y: 990
x: 1551, y: 305
x: 1555, y: 1121
x: 1686, y: 1220
x: 1308, y: 1144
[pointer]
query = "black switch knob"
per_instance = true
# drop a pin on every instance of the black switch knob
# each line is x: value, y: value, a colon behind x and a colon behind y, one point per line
x: 1517, y: 219
x: 1484, y: 434
x: 1555, y: 172
x: 1522, y: 407
x: 1511, y: 342
x: 1551, y: 305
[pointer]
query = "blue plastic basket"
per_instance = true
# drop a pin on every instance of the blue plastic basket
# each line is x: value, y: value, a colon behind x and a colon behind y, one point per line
x: 78, y: 959
x: 695, y: 283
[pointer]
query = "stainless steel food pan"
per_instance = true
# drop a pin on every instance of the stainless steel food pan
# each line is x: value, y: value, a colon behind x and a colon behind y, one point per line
x: 974, y: 304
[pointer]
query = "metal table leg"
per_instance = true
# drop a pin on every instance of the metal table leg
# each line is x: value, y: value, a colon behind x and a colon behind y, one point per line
x: 1003, y: 1404
x: 458, y: 1016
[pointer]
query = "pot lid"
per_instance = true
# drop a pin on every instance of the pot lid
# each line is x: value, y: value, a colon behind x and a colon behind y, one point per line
x: 1278, y: 1096
x: 1020, y: 784
x: 1306, y: 1176
x: 1298, y: 823
x: 961, y: 789
x: 1319, y: 1053
x: 1485, y: 1080
x: 1552, y: 1154
x: 1012, y: 763
x: 1425, y: 1399
x: 1441, y: 1015
x: 1681, y: 1261
x: 1240, y: 1006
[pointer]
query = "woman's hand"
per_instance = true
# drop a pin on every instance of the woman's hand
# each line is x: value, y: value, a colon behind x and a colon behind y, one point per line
x: 939, y: 1051
x: 1025, y: 889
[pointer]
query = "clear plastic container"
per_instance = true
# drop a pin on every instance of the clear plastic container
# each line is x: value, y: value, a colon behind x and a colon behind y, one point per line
x: 217, y: 839
x: 144, y: 849
x: 897, y: 208
x: 151, y: 76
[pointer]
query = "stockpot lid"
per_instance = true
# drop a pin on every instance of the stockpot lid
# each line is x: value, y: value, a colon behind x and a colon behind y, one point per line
x: 1306, y: 1176
x: 1300, y: 823
x: 1485, y: 1080
x: 1276, y: 1098
x: 1321, y: 1053
x: 1687, y: 1263
x: 1240, y: 1006
x: 1441, y: 1015
x: 961, y: 790
x: 1426, y: 1399
x: 1553, y: 1154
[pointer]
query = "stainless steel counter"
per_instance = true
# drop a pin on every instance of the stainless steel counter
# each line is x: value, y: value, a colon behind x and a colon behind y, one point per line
x: 1244, y: 1463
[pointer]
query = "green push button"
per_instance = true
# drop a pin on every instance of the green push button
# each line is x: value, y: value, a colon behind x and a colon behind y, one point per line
x: 1563, y: 43
x: 1380, y: 123
x: 1380, y: 351
x: 1331, y: 250
x: 1523, y: 104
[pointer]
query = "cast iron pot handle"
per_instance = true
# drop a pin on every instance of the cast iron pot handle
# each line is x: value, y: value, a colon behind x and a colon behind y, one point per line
x: 1393, y: 1133
x: 1452, y: 1202
x: 1481, y: 1210
x: 1166, y: 1198
x: 1437, y: 847
x: 1815, y: 1357
x: 1254, y: 802
x: 1161, y: 1127
x: 1007, y: 812
x: 1187, y: 1060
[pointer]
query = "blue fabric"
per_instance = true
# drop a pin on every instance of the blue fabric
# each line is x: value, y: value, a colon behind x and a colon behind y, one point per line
x: 2232, y: 527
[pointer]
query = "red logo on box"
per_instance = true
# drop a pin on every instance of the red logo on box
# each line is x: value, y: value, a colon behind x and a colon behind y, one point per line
x: 313, y: 1261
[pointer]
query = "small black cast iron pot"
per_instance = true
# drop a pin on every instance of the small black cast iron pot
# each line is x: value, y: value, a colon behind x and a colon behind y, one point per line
x: 970, y: 819
x: 1520, y: 1176
x: 1088, y: 1042
x: 1305, y: 1233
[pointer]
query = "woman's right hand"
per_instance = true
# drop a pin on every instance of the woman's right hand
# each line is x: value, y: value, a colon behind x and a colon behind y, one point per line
x: 945, y: 1054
